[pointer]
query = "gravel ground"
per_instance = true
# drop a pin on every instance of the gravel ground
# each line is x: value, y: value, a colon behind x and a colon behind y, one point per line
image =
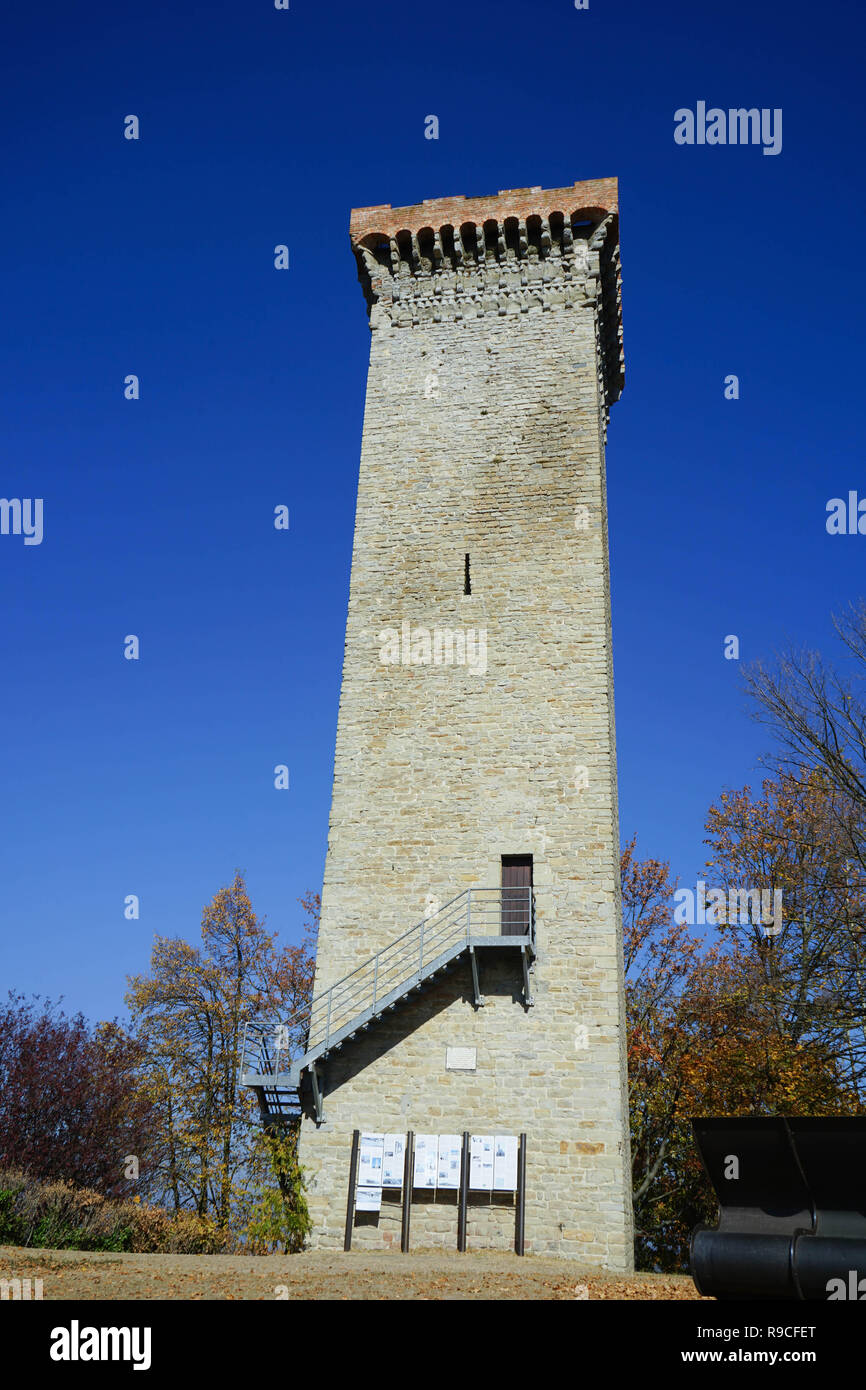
x: 75, y: 1274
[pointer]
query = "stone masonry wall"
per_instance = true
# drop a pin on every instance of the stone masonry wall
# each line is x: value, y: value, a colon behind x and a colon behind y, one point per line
x: 484, y: 435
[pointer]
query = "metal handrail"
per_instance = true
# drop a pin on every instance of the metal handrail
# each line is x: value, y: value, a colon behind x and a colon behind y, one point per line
x: 401, y: 961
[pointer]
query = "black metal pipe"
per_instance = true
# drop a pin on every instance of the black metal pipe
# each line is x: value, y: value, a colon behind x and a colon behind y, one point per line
x: 353, y: 1178
x: 408, y: 1165
x: 520, y: 1223
x: 464, y: 1193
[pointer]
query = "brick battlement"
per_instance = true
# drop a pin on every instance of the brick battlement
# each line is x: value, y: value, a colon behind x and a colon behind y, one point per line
x: 513, y: 252
x: 594, y: 196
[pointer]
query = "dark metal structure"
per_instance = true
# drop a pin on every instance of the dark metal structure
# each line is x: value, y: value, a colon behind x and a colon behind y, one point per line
x: 520, y: 1215
x: 792, y: 1208
x: 408, y: 1169
x: 463, y: 1194
x: 353, y: 1183
x: 832, y: 1155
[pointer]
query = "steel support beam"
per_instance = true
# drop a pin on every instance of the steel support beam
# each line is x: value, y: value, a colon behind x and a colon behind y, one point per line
x: 315, y: 1081
x: 527, y: 984
x: 479, y: 997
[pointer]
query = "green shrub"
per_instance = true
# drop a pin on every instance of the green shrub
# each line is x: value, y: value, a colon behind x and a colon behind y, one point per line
x: 280, y: 1219
x: 57, y: 1216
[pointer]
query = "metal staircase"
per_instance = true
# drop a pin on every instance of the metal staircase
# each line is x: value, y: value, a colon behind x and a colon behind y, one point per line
x: 477, y: 919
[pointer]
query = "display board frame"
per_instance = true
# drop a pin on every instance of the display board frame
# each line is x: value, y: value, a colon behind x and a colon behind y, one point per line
x: 508, y: 1151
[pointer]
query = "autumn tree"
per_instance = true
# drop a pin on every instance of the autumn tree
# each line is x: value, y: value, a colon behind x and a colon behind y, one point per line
x: 817, y: 714
x: 668, y: 1187
x: 70, y: 1105
x: 189, y: 1015
x: 810, y: 968
x: 704, y: 1038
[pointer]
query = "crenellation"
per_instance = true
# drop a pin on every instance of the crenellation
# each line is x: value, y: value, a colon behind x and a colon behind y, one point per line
x: 500, y: 263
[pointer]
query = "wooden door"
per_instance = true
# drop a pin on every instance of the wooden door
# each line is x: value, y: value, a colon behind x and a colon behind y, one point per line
x: 516, y: 894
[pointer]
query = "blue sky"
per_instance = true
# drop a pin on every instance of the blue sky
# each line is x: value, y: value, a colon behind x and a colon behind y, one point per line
x: 155, y: 257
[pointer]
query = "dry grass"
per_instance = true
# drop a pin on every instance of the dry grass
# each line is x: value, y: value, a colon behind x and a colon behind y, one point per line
x: 75, y: 1274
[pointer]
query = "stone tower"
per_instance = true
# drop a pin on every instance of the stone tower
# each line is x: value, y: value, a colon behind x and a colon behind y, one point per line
x: 475, y: 743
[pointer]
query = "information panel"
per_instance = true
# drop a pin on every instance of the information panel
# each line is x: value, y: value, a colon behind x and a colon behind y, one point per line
x: 505, y: 1163
x: 481, y: 1162
x: 438, y: 1157
x: 392, y: 1160
x: 368, y: 1199
x: 449, y: 1159
x: 370, y: 1160
x: 426, y: 1160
